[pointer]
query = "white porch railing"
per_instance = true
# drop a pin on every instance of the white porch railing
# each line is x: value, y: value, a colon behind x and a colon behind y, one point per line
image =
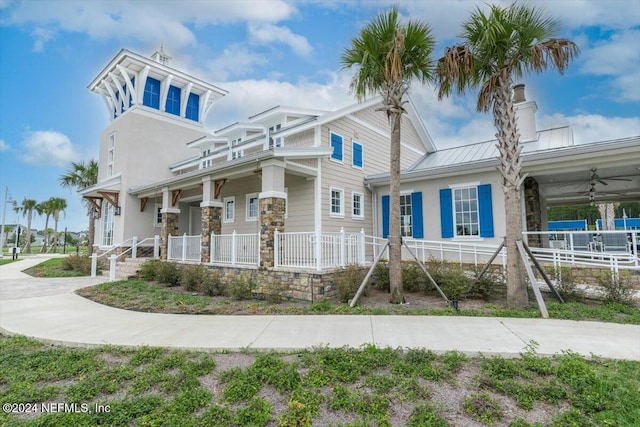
x: 235, y: 249
x: 592, y: 248
x: 133, y: 244
x: 183, y: 248
x: 319, y: 250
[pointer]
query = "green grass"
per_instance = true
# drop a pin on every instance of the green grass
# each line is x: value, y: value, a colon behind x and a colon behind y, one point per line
x: 320, y: 386
x: 5, y: 261
x: 150, y: 297
x: 51, y: 268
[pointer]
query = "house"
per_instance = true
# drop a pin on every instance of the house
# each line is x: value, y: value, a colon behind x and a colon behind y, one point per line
x: 461, y: 188
x: 302, y: 188
x: 161, y: 172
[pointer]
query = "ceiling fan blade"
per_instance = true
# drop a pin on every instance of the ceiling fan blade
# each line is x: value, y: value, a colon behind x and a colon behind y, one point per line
x: 601, y: 181
x: 618, y: 179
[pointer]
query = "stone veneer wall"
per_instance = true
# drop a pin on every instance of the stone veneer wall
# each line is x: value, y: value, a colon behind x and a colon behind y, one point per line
x: 169, y: 228
x: 272, y: 210
x: 211, y: 219
x: 305, y: 286
x: 533, y: 211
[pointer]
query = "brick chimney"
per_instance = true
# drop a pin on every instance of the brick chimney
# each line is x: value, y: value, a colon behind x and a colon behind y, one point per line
x: 525, y: 114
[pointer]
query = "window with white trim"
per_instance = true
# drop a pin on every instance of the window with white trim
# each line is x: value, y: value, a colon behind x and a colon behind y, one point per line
x: 406, y: 216
x: 465, y: 211
x: 357, y: 208
x: 336, y: 202
x: 252, y: 207
x: 107, y: 223
x: 236, y: 154
x: 275, y: 142
x: 111, y: 153
x: 157, y: 219
x: 229, y: 209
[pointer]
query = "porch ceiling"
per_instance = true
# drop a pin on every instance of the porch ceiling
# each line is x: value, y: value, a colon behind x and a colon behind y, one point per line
x: 598, y: 182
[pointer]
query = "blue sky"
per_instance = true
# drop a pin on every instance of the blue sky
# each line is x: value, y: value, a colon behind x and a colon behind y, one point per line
x: 268, y: 53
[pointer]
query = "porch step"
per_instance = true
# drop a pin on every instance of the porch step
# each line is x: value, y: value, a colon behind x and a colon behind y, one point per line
x: 127, y: 268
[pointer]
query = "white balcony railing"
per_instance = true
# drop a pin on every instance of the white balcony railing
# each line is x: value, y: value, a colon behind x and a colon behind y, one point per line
x: 184, y: 248
x: 235, y: 249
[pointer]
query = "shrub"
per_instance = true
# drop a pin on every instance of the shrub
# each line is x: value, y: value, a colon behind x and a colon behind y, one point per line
x: 240, y: 288
x: 565, y: 283
x: 484, y: 287
x: 348, y: 280
x: 80, y: 263
x: 193, y: 276
x: 168, y: 273
x: 148, y: 269
x: 381, y: 277
x: 616, y: 287
x: 413, y: 278
x: 275, y: 292
x: 455, y: 284
x: 212, y: 284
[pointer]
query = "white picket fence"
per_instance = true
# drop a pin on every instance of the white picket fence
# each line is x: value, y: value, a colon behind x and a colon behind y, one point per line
x: 184, y: 248
x: 235, y: 249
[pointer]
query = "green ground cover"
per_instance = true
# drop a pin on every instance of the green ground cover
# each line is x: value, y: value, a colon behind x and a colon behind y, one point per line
x: 343, y: 387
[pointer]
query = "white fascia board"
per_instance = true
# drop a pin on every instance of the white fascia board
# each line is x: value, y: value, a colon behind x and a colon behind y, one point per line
x: 206, y: 141
x: 238, y: 127
x: 418, y: 124
x: 302, y: 152
x: 112, y: 183
x: 280, y: 110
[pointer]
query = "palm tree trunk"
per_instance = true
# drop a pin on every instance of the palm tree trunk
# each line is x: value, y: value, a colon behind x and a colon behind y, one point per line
x: 27, y: 246
x: 509, y: 147
x: 54, y: 245
x: 395, y: 248
x: 46, y: 235
x: 91, y: 233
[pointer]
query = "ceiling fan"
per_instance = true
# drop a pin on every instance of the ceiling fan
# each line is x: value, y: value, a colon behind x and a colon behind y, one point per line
x: 594, y: 177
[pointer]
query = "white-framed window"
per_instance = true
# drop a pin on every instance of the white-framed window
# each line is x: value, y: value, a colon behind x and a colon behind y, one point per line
x: 252, y: 207
x: 357, y: 205
x: 229, y: 209
x: 337, y: 154
x: 236, y: 154
x: 336, y: 202
x: 275, y: 142
x: 357, y: 154
x: 406, y: 216
x: 465, y: 212
x: 111, y: 153
x: 107, y: 223
x: 157, y: 217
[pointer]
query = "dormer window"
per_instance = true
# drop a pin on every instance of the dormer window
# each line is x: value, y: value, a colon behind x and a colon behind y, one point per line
x: 236, y: 154
x: 274, y: 142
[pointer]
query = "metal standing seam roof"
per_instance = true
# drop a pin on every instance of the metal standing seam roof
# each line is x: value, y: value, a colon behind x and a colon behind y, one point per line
x: 547, y: 139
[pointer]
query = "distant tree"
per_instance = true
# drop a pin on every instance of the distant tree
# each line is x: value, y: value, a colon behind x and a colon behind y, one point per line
x: 387, y: 56
x: 504, y: 43
x: 45, y: 208
x: 83, y: 175
x: 58, y: 206
x: 27, y: 208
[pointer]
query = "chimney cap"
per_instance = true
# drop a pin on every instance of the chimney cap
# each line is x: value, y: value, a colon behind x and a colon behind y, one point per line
x: 519, y: 93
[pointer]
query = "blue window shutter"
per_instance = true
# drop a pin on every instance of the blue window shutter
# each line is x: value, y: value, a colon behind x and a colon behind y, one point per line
x: 416, y: 213
x: 357, y: 154
x: 485, y: 208
x: 385, y: 217
x: 446, y: 213
x: 336, y: 144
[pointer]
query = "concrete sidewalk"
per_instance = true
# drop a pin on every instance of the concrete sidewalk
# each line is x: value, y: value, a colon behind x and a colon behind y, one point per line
x: 62, y: 317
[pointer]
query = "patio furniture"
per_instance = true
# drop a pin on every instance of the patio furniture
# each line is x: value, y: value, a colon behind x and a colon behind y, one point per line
x: 582, y: 242
x: 615, y: 242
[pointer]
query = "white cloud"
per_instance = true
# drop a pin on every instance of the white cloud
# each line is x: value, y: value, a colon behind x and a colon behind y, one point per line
x: 268, y: 33
x: 48, y: 148
x: 4, y: 146
x: 234, y: 61
x: 144, y: 21
x: 593, y: 127
x: 249, y: 97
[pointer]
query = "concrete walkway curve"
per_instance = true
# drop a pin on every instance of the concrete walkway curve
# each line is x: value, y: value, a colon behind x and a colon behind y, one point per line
x: 48, y: 309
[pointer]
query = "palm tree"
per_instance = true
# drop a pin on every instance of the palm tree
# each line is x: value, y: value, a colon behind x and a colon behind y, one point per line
x: 82, y: 176
x: 44, y: 208
x: 58, y: 205
x: 27, y: 208
x: 497, y: 46
x: 387, y: 56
